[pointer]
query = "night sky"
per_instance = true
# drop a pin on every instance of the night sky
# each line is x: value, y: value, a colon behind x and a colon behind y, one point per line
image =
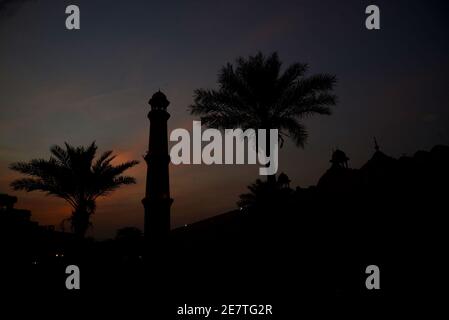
x: 93, y: 84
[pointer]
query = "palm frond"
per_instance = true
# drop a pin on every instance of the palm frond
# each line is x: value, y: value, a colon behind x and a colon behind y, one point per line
x: 295, y: 130
x: 60, y: 154
x: 253, y: 93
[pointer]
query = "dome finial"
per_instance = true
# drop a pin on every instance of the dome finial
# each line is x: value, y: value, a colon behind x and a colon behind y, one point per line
x: 376, y: 146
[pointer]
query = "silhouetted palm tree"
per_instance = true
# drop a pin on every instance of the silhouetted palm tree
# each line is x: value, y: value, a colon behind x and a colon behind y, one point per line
x: 73, y: 175
x: 265, y: 196
x: 255, y: 94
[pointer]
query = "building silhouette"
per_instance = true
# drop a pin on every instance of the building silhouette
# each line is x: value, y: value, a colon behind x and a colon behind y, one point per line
x: 10, y: 215
x: 157, y: 201
x: 388, y: 212
x: 339, y: 159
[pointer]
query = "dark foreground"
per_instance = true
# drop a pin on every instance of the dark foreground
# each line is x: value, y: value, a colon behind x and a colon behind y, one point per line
x: 292, y: 249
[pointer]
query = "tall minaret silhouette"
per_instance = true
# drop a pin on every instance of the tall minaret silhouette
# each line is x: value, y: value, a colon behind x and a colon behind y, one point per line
x: 157, y: 201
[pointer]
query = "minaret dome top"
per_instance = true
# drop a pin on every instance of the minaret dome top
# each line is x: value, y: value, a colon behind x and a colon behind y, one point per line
x: 159, y: 101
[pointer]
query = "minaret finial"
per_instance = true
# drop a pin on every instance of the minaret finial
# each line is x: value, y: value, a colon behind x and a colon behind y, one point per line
x: 376, y: 146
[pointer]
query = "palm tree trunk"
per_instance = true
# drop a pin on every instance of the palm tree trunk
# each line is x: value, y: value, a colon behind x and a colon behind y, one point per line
x: 80, y: 221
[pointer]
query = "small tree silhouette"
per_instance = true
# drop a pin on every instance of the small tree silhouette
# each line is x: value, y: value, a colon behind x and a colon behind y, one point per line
x: 254, y: 94
x: 73, y: 175
x: 266, y: 197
